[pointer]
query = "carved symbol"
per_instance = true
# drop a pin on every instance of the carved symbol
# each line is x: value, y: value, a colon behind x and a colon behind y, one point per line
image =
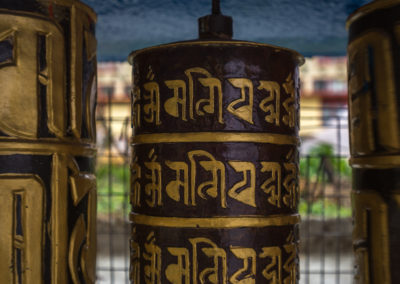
x: 247, y: 274
x: 272, y: 186
x: 152, y: 254
x: 22, y: 199
x: 19, y: 115
x: 372, y: 105
x: 7, y: 48
x: 175, y: 273
x: 245, y: 195
x: 204, y: 106
x: 154, y: 187
x: 82, y: 245
x: 244, y: 112
x: 215, y: 274
x: 172, y: 104
x: 273, y: 271
x: 268, y: 105
x: 173, y: 187
x: 289, y: 119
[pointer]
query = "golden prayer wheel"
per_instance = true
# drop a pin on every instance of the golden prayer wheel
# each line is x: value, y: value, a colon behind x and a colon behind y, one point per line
x: 47, y: 142
x: 214, y: 188
x: 374, y: 100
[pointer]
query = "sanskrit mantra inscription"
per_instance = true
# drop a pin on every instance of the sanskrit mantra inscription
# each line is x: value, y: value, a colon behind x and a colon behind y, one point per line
x: 201, y: 95
x: 203, y: 261
x: 279, y: 181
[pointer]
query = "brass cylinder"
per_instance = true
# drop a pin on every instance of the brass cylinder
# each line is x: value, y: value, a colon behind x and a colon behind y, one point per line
x: 374, y: 100
x: 47, y: 142
x: 215, y: 163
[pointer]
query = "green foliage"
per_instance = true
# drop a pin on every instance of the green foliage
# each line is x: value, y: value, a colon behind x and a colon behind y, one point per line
x: 113, y: 189
x: 310, y: 166
x: 327, y: 209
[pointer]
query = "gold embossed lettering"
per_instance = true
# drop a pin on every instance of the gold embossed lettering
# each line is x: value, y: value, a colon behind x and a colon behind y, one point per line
x: 244, y: 195
x: 272, y: 186
x: 290, y: 184
x: 135, y: 260
x: 271, y: 104
x: 136, y: 187
x: 247, y: 274
x: 217, y: 170
x: 152, y: 108
x: 215, y: 274
x: 81, y: 36
x: 182, y: 180
x: 289, y: 119
x: 136, y: 114
x: 152, y: 255
x: 22, y: 198
x: 179, y: 273
x: 291, y: 264
x: 371, y: 238
x: 76, y: 241
x: 372, y: 93
x: 154, y: 188
x: 82, y: 244
x: 273, y: 271
x: 172, y: 104
x: 19, y: 114
x: 244, y: 109
x: 204, y: 106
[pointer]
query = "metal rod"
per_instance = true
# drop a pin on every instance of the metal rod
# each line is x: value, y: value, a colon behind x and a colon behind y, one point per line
x: 110, y: 187
x: 216, y: 8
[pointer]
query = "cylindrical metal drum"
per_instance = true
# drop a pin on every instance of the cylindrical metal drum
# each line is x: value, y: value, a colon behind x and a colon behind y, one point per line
x: 374, y: 100
x: 215, y: 163
x: 47, y: 136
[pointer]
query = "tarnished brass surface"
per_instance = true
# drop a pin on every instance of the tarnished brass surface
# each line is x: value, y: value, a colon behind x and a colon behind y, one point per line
x: 371, y: 237
x: 297, y: 56
x: 214, y: 186
x: 47, y: 142
x: 370, y: 8
x: 374, y: 100
x: 214, y: 137
x: 216, y: 222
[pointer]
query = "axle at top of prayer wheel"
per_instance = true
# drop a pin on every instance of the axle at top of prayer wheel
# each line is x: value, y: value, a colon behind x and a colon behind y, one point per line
x: 47, y: 142
x: 214, y: 188
x: 374, y: 99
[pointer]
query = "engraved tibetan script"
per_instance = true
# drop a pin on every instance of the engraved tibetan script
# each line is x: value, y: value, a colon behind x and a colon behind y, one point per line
x: 203, y: 177
x: 199, y: 94
x: 203, y: 261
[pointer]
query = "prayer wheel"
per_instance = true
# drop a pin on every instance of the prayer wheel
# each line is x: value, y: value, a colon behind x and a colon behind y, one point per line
x: 47, y: 142
x: 374, y: 100
x: 214, y: 187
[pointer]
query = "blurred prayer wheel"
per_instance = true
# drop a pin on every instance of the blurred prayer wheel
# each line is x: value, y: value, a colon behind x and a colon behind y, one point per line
x: 374, y: 99
x: 215, y: 160
x: 47, y: 142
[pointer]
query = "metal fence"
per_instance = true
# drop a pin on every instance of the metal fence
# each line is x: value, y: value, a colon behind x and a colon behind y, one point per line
x: 325, y: 207
x: 325, y: 181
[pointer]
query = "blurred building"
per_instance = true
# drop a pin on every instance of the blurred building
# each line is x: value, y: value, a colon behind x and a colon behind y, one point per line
x: 323, y: 92
x: 113, y: 110
x: 324, y: 104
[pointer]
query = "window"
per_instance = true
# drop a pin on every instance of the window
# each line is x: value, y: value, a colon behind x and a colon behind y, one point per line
x: 331, y: 86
